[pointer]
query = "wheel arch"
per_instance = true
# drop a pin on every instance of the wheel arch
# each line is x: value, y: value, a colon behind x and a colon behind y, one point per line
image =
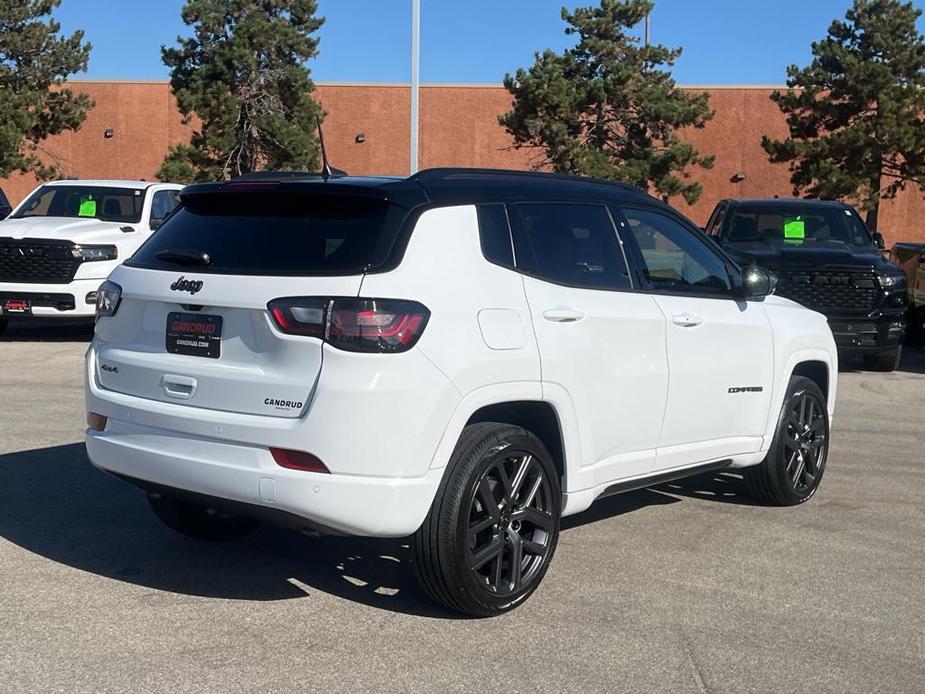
x: 536, y: 416
x: 816, y: 371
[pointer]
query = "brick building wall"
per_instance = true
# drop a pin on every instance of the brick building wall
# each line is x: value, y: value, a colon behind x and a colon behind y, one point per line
x: 459, y: 127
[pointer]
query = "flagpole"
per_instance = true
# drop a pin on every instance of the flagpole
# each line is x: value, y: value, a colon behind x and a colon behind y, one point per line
x: 415, y: 81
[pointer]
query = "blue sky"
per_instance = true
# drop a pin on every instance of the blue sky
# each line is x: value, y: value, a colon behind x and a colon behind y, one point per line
x: 477, y: 41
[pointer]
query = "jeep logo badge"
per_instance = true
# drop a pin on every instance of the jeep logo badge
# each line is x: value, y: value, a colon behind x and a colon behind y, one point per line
x: 185, y: 285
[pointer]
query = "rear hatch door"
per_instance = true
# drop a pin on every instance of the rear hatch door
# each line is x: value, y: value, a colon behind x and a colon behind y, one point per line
x: 193, y: 326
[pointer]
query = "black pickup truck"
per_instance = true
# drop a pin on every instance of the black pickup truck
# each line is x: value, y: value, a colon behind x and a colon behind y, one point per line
x: 825, y: 258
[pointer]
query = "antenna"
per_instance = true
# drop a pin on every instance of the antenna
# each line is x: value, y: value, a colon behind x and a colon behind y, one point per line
x: 326, y: 171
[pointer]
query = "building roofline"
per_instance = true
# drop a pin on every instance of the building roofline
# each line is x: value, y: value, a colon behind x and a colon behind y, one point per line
x: 425, y: 85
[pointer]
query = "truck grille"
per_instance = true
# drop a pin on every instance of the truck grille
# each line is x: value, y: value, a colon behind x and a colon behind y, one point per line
x: 830, y: 289
x: 37, y: 261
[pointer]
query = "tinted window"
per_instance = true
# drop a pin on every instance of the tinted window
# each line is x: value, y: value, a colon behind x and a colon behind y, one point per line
x: 94, y: 202
x: 570, y: 244
x: 795, y: 224
x: 163, y: 202
x: 278, y: 234
x: 495, y: 235
x: 673, y: 258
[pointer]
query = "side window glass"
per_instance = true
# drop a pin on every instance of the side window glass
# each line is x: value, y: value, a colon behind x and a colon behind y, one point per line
x: 162, y: 204
x: 673, y: 259
x: 571, y: 244
x: 495, y: 235
x: 716, y: 222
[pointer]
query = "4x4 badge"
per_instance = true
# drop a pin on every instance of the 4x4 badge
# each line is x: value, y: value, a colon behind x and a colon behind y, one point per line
x: 185, y: 285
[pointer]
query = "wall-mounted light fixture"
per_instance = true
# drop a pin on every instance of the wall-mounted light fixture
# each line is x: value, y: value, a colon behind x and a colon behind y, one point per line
x: 737, y: 177
x: 108, y: 133
x: 360, y: 138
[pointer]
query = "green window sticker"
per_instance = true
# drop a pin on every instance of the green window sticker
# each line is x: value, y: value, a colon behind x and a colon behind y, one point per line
x: 794, y: 229
x: 87, y: 208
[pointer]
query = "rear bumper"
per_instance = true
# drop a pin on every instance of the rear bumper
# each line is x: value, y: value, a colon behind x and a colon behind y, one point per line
x: 53, y: 300
x: 367, y: 506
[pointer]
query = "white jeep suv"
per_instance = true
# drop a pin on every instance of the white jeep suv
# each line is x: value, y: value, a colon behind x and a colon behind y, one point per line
x: 61, y: 242
x: 464, y: 356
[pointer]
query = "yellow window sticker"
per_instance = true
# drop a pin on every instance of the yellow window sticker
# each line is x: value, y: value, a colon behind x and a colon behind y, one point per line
x: 87, y: 208
x: 794, y: 229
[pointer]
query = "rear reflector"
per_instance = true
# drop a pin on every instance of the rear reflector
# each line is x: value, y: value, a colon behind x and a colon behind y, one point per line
x: 354, y: 325
x: 298, y: 460
x: 95, y: 421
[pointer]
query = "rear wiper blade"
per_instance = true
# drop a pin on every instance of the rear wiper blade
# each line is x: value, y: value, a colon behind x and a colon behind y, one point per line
x: 184, y: 256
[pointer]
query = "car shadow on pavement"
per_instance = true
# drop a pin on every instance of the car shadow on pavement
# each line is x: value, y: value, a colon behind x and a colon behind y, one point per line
x: 726, y: 487
x: 55, y: 504
x: 48, y: 331
x: 913, y: 361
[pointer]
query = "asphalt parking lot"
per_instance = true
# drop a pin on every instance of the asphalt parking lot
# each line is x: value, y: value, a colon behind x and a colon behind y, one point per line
x: 687, y: 587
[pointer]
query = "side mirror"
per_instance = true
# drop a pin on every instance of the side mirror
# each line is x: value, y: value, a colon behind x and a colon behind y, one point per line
x: 878, y: 239
x: 757, y: 283
x: 156, y: 223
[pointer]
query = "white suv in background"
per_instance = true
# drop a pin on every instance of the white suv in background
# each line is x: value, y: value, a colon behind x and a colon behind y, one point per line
x: 61, y: 242
x: 464, y: 356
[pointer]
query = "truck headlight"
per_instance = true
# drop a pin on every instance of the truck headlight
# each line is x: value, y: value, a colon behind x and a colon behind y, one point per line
x: 892, y: 279
x: 108, y: 297
x: 91, y: 253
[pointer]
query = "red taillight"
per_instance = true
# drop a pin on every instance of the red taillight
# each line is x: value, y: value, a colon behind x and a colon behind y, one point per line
x: 355, y: 325
x: 298, y: 460
x: 300, y: 316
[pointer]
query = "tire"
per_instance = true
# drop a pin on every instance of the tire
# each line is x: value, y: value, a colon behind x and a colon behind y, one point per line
x: 884, y: 361
x: 200, y: 522
x: 500, y: 480
x: 915, y: 332
x: 792, y: 471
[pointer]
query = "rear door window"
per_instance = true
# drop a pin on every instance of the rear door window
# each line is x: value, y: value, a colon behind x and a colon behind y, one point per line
x: 571, y: 244
x: 277, y: 234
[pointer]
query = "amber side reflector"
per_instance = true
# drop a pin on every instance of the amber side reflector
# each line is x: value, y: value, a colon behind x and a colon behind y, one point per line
x: 298, y: 460
x: 95, y: 421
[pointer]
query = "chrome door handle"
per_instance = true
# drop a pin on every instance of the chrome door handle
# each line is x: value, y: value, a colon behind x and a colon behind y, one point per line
x: 686, y: 320
x: 563, y: 315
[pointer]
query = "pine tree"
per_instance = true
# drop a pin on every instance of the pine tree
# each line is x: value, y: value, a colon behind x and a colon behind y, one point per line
x: 243, y: 74
x: 608, y: 107
x: 35, y: 61
x: 855, y: 114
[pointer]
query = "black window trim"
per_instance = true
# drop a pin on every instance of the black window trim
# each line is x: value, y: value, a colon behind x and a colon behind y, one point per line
x: 606, y: 204
x: 646, y: 287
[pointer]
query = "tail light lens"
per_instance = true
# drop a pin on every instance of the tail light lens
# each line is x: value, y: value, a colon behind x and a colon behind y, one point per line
x: 108, y: 297
x: 354, y: 325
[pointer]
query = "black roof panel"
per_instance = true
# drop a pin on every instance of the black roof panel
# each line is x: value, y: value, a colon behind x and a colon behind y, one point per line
x: 445, y: 185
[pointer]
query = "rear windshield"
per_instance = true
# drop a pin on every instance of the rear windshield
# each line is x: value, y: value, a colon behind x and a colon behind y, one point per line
x: 93, y: 202
x: 796, y: 225
x: 276, y: 234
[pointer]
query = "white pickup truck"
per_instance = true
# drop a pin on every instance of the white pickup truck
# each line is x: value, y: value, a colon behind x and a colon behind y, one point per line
x: 64, y: 239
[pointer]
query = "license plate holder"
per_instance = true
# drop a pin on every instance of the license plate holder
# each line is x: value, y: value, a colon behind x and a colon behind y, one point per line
x: 16, y: 307
x: 194, y: 334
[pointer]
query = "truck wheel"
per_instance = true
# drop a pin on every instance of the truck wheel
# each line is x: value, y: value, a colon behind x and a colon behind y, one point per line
x: 200, y: 522
x: 493, y: 526
x: 885, y: 361
x: 793, y: 468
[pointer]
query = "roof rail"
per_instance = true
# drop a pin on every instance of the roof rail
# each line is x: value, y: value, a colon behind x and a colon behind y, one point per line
x: 286, y: 175
x: 449, y: 173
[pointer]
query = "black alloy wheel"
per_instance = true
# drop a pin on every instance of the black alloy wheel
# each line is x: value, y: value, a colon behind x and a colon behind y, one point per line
x: 793, y: 469
x: 805, y: 442
x: 510, y: 524
x: 492, y: 529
